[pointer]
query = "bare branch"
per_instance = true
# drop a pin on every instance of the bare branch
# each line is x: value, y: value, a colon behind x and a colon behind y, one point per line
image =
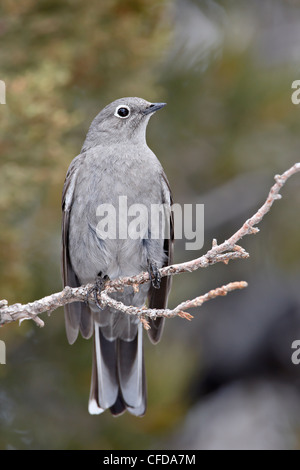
x: 177, y: 311
x: 226, y: 251
x: 30, y: 311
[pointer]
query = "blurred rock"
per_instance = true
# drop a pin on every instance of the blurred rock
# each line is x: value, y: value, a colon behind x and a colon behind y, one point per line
x: 249, y: 415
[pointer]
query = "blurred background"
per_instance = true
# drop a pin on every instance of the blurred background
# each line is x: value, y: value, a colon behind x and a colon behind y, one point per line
x: 225, y: 68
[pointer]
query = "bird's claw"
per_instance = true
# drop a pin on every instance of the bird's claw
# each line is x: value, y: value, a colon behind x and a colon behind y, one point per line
x: 97, y: 288
x: 154, y: 275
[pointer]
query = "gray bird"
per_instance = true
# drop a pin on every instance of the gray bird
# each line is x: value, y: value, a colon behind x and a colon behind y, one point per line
x: 115, y: 162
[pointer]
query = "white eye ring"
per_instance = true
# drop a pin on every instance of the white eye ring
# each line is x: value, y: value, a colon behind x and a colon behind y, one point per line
x: 123, y: 107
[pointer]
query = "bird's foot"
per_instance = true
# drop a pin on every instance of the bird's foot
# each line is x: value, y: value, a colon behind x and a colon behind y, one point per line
x: 97, y: 288
x: 154, y: 275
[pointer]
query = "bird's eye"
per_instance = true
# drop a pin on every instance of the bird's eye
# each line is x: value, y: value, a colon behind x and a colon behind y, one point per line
x: 122, y: 111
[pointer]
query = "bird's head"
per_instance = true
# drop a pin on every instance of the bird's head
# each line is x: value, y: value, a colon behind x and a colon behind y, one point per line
x: 123, y: 120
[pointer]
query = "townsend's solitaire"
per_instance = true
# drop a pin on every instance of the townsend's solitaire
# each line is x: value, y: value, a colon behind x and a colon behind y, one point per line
x: 115, y: 161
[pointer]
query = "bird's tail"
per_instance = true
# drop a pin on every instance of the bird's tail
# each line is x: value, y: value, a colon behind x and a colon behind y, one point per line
x: 118, y: 375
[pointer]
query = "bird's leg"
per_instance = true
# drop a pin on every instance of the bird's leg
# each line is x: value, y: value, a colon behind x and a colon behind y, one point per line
x: 154, y: 274
x: 98, y: 287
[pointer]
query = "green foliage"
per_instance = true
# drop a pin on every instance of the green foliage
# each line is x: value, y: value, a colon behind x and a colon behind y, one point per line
x: 62, y: 62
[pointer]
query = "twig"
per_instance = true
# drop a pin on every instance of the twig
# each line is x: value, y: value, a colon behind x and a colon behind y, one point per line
x: 177, y: 311
x: 226, y: 251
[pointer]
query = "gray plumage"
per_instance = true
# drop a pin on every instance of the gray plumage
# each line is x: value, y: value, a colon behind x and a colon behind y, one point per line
x: 114, y: 161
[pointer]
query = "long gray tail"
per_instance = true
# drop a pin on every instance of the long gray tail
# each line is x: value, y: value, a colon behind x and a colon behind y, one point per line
x: 118, y: 375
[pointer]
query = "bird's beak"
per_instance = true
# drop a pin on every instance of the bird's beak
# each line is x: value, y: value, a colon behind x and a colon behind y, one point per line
x: 154, y: 107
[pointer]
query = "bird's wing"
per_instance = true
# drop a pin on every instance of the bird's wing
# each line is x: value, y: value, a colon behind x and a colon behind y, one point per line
x: 158, y: 298
x: 77, y: 314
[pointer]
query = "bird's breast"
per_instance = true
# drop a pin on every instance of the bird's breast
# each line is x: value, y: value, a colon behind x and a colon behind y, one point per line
x: 110, y: 214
